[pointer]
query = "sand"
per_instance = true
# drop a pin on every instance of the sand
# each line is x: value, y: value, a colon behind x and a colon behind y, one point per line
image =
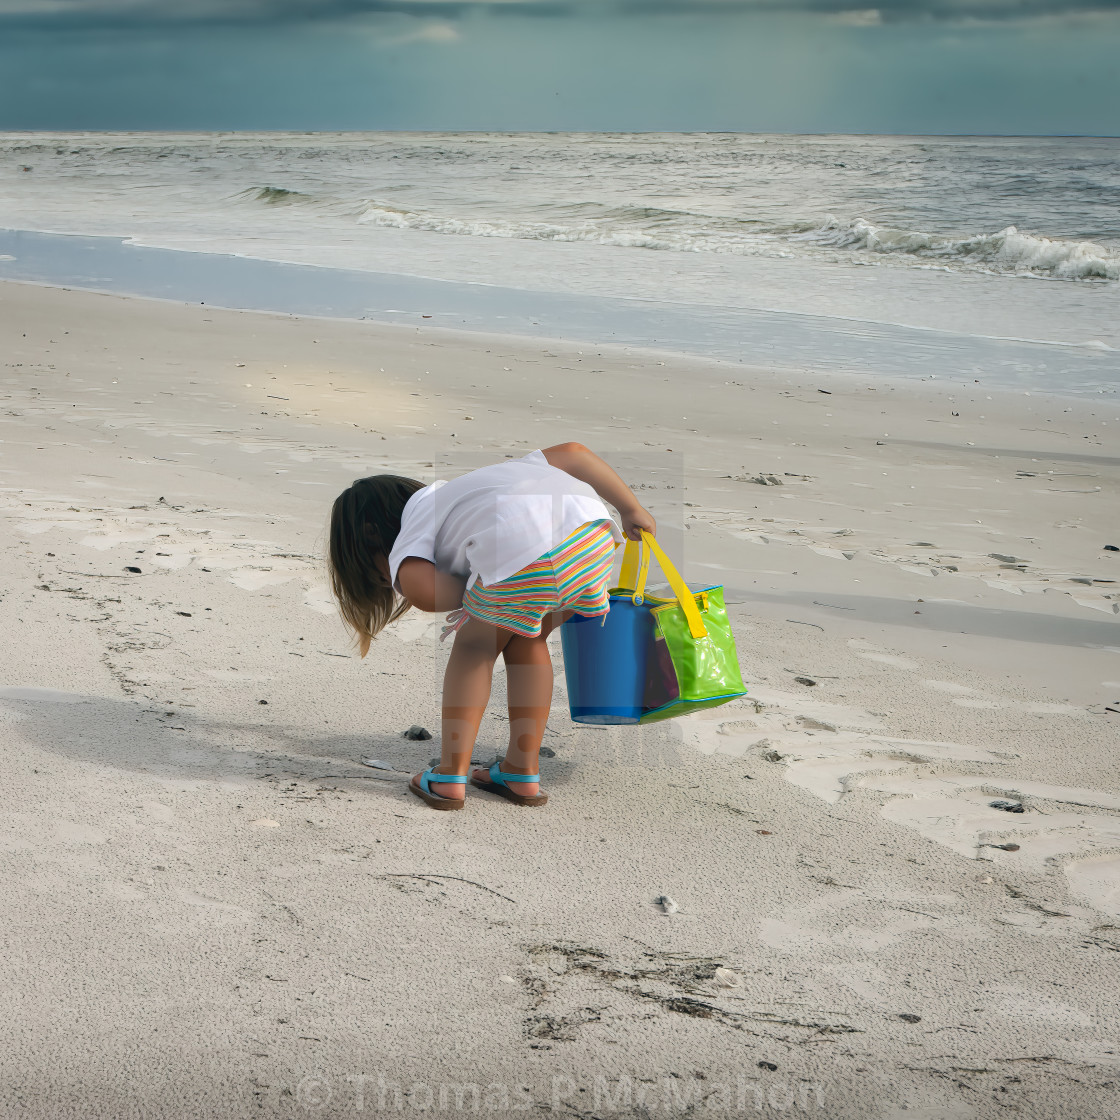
x: 211, y: 908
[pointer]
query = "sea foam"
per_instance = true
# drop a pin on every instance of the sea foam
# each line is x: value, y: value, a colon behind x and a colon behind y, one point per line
x: 1008, y: 250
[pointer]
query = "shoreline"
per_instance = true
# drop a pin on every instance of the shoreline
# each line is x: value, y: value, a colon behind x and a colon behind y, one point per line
x: 750, y: 336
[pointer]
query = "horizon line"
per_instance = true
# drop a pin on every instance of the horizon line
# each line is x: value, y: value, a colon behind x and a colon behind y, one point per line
x: 564, y: 132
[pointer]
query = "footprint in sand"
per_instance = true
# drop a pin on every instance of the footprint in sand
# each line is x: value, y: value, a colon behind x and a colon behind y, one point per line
x: 176, y: 539
x: 1001, y: 571
x: 253, y: 579
x: 948, y: 686
x: 318, y: 597
x: 215, y: 910
x: 871, y: 652
x: 959, y: 695
x: 832, y: 751
x: 415, y: 627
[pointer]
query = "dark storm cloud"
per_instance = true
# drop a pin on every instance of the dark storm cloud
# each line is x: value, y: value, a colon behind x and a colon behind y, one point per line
x: 76, y: 14
x: 888, y: 10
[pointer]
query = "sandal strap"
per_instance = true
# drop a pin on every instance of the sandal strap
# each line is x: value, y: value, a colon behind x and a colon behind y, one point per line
x: 503, y: 779
x: 430, y: 776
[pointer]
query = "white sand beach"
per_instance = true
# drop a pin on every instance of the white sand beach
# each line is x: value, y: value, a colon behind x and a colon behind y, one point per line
x: 896, y: 862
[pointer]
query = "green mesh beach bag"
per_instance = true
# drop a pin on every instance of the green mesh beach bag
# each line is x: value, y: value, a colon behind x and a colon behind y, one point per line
x: 652, y: 657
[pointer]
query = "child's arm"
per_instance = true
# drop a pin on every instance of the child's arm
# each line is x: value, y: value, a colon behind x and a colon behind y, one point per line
x: 579, y: 462
x: 427, y: 588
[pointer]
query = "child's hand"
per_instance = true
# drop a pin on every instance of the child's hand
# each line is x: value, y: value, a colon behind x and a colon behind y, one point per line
x: 635, y: 520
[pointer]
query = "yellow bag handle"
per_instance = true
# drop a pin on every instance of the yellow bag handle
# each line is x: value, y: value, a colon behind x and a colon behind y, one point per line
x: 633, y: 574
x: 635, y: 569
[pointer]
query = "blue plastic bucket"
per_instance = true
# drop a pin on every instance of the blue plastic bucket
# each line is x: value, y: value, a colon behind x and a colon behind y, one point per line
x: 605, y: 663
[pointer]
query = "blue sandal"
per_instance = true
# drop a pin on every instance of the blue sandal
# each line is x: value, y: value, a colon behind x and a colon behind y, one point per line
x: 499, y: 784
x: 422, y: 789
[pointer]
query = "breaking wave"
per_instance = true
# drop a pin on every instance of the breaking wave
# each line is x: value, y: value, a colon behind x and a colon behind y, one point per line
x: 551, y: 217
x: 1006, y: 251
x: 274, y: 195
x: 1009, y: 250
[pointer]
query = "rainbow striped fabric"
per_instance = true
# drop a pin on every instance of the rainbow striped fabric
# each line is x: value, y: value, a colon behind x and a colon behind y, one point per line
x: 574, y: 576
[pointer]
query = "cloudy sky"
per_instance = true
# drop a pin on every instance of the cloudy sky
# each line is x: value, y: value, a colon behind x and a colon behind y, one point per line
x: 906, y: 66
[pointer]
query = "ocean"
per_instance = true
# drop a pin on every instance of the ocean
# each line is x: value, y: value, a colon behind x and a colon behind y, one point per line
x: 976, y: 258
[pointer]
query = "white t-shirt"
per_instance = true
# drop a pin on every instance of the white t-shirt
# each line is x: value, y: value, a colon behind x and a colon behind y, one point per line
x: 490, y: 523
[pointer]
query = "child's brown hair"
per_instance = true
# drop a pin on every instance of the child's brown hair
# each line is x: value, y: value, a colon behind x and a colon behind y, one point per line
x: 365, y: 523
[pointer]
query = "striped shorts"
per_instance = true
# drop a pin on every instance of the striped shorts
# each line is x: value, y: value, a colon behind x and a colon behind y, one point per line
x: 574, y: 576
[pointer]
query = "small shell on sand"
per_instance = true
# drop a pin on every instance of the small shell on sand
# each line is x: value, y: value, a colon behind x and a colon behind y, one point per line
x: 728, y: 979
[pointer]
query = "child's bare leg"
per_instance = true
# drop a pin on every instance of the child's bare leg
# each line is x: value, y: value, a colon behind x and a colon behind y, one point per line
x: 466, y: 692
x: 529, y: 691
